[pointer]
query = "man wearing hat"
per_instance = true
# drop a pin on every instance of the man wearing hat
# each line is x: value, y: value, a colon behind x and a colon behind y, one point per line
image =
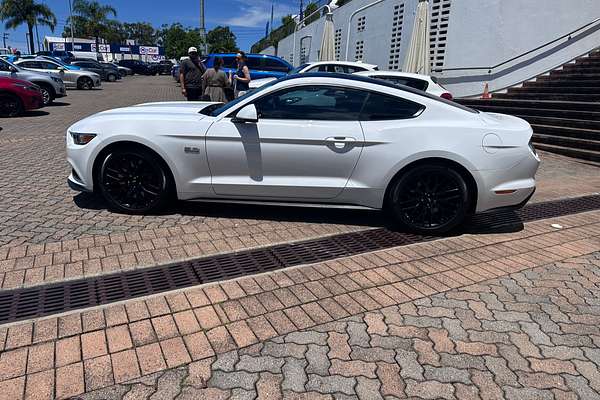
x: 190, y: 76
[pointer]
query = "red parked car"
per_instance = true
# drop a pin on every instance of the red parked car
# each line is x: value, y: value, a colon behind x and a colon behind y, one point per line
x: 17, y: 96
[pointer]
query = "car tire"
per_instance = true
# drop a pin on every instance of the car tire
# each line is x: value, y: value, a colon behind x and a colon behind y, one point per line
x: 85, y: 83
x: 10, y: 105
x: 134, y: 180
x: 47, y: 93
x: 111, y: 77
x: 429, y: 199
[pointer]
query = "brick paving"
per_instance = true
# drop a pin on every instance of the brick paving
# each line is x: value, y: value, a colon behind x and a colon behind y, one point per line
x: 515, y: 314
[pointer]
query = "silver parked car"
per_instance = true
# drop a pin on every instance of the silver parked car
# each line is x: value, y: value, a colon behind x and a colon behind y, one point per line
x: 50, y: 86
x: 73, y: 79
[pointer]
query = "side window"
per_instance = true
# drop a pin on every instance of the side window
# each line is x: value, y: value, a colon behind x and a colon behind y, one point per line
x: 312, y: 102
x: 353, y: 69
x: 410, y: 82
x: 256, y: 63
x: 381, y: 107
x: 48, y: 65
x: 229, y: 62
x: 28, y: 64
x: 275, y: 65
x: 4, y: 66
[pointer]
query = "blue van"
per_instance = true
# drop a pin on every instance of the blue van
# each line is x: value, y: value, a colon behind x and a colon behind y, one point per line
x: 260, y: 65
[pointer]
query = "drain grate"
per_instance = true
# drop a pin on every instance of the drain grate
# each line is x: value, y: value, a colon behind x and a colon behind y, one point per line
x: 38, y: 301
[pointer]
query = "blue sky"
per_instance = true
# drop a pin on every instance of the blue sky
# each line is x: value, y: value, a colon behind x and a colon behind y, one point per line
x: 247, y: 18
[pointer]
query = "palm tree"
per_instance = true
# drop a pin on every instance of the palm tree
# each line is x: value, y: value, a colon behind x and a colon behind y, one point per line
x: 19, y: 12
x: 95, y: 17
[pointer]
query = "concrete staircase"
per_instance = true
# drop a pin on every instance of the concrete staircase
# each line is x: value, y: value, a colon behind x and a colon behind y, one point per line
x: 563, y: 108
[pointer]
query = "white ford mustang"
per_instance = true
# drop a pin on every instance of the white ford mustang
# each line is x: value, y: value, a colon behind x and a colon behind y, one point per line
x: 321, y: 138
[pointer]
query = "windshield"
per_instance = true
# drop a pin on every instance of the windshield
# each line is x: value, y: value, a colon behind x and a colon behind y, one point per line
x: 6, y: 62
x: 218, y: 109
x: 298, y: 69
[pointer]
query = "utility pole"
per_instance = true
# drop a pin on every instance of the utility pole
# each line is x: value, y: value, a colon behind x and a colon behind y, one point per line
x: 27, y: 38
x: 271, y: 24
x: 72, y: 27
x: 4, y: 37
x: 37, y: 36
x: 203, y: 28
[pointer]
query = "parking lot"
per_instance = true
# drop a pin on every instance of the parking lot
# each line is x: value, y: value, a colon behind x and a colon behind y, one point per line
x: 526, y: 327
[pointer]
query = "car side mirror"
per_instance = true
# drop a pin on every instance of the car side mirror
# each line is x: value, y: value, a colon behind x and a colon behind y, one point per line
x: 61, y: 69
x: 13, y: 69
x: 247, y: 113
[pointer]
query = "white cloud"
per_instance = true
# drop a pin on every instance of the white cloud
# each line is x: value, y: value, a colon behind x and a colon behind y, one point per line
x: 257, y: 14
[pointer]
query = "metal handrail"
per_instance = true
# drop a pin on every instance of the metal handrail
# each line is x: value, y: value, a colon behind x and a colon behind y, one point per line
x: 299, y: 25
x: 568, y: 36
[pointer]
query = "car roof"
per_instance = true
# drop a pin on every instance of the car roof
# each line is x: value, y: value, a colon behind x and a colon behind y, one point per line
x: 395, y: 73
x: 352, y: 63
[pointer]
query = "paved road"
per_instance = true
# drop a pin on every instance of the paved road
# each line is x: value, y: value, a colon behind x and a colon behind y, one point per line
x: 498, y: 316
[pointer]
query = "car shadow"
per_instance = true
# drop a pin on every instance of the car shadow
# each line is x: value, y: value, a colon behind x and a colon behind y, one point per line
x: 35, y: 113
x: 58, y: 104
x: 487, y: 223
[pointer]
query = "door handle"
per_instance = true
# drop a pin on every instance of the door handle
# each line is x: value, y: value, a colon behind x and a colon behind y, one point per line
x: 340, y: 139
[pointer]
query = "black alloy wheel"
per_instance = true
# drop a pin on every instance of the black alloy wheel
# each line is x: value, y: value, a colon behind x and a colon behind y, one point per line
x: 10, y: 105
x: 85, y: 83
x: 430, y: 199
x: 134, y: 181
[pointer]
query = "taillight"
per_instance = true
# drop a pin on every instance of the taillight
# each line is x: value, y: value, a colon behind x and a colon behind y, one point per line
x: 447, y: 96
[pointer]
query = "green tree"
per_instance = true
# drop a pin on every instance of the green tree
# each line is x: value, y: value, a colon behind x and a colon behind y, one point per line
x: 94, y: 17
x: 18, y: 12
x: 142, y: 32
x: 310, y: 9
x: 115, y: 32
x: 176, y: 39
x: 221, y: 40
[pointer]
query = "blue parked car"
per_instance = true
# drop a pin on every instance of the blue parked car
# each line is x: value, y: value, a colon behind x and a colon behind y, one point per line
x: 260, y: 65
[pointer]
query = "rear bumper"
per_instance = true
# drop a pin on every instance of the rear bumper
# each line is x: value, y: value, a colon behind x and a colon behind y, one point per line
x: 511, y: 188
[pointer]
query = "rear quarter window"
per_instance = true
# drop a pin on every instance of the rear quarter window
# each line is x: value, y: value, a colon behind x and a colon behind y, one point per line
x: 381, y: 107
x: 419, y: 84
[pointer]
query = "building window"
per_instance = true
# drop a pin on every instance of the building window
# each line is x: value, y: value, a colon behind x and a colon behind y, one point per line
x: 292, y: 58
x: 362, y: 24
x: 338, y: 44
x: 396, y: 37
x: 438, y: 33
x: 359, y: 51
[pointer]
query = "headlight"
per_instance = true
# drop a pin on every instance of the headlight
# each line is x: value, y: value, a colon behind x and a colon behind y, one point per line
x: 26, y: 87
x: 82, y: 138
x: 58, y: 80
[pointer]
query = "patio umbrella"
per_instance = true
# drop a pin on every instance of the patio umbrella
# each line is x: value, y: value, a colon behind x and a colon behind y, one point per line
x: 327, y: 52
x: 417, y: 58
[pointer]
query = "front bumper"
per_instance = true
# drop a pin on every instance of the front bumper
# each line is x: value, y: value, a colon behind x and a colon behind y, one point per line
x: 61, y: 91
x: 75, y: 185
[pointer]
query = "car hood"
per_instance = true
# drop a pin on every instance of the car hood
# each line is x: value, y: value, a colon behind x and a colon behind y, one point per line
x: 153, y: 115
x: 166, y: 110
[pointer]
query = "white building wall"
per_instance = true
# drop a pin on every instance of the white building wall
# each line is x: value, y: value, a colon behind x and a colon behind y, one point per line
x: 479, y: 33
